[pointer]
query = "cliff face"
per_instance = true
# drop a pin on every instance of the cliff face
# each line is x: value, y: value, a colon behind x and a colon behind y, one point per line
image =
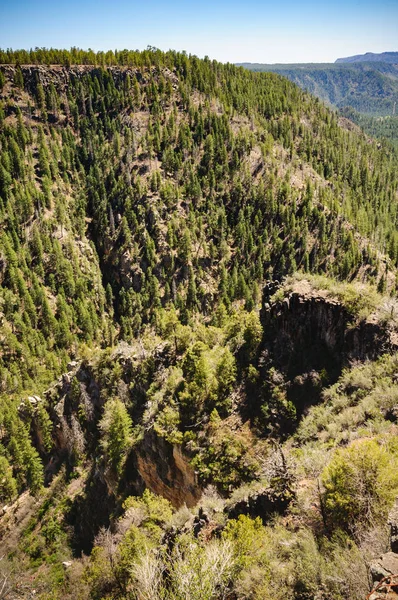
x: 166, y: 471
x: 60, y: 76
x: 308, y: 329
x: 311, y: 334
x: 75, y: 405
x: 308, y: 335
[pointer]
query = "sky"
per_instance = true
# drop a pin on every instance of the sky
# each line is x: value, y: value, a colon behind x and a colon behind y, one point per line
x: 282, y: 31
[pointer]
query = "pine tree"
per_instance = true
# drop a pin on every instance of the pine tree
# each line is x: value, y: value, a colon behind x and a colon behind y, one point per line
x: 116, y: 428
x: 8, y: 485
x: 18, y: 78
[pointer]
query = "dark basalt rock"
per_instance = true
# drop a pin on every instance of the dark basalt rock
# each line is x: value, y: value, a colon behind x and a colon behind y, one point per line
x: 306, y: 332
x: 261, y: 504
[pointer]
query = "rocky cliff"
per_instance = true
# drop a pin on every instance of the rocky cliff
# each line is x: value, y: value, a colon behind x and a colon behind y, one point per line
x: 75, y: 405
x: 311, y: 328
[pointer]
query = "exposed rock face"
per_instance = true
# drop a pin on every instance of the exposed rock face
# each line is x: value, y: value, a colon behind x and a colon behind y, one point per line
x: 75, y: 408
x: 385, y: 566
x: 166, y: 471
x: 261, y: 504
x: 311, y: 335
x: 308, y: 331
x: 60, y: 76
x: 384, y: 570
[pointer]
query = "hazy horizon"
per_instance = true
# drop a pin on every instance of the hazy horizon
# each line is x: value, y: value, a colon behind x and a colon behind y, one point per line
x: 260, y: 32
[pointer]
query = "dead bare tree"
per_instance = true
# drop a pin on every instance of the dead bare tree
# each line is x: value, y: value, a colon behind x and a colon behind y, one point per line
x: 5, y: 578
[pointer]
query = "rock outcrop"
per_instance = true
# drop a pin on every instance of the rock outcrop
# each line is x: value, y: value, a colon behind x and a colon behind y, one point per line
x: 166, y: 471
x: 60, y: 76
x: 384, y: 570
x: 310, y: 329
x: 75, y: 405
x: 263, y: 504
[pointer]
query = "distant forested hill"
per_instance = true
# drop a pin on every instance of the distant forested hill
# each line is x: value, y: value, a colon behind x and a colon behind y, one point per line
x: 371, y: 89
x: 388, y: 57
x: 383, y: 128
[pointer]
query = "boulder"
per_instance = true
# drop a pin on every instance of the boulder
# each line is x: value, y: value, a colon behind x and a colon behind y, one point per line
x: 384, y: 566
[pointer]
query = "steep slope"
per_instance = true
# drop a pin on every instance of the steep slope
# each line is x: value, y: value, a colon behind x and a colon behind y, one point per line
x: 134, y: 160
x: 369, y: 88
x: 89, y: 504
x: 145, y: 200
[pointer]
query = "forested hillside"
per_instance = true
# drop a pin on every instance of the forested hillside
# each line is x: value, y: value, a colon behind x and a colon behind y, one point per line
x: 160, y: 435
x: 369, y: 88
x: 382, y: 128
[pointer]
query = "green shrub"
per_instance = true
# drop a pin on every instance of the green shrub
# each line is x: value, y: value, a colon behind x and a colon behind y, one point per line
x: 360, y: 484
x: 155, y: 509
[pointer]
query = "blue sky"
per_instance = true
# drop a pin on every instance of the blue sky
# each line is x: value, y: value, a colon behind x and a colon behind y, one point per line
x: 256, y: 31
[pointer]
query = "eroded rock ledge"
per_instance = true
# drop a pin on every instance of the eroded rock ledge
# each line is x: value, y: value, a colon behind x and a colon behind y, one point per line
x: 307, y: 328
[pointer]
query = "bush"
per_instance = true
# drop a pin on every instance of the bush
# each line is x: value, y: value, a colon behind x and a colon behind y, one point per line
x: 360, y: 484
x: 156, y: 511
x: 200, y: 572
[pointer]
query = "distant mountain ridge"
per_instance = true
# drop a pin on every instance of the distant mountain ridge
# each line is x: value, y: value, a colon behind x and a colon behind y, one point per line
x: 371, y: 89
x: 389, y: 57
